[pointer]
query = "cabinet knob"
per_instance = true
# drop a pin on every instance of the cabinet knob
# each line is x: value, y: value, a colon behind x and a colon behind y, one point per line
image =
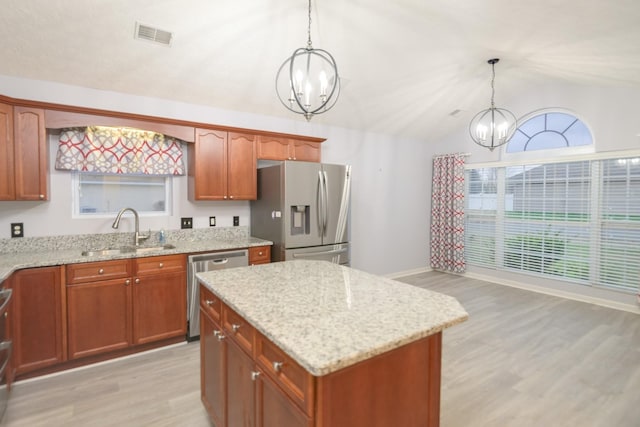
x: 127, y: 282
x: 137, y: 281
x: 210, y: 302
x: 277, y: 366
x: 231, y: 197
x: 224, y: 197
x: 220, y: 337
x: 160, y: 265
x: 235, y: 327
x: 41, y: 196
x: 101, y: 271
x: 254, y: 375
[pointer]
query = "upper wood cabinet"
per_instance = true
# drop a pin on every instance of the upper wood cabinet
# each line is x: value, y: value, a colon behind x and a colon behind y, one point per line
x: 222, y: 166
x: 279, y: 148
x: 23, y: 154
x: 7, y: 183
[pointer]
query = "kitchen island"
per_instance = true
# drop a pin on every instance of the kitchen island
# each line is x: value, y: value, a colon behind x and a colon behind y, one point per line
x: 310, y: 343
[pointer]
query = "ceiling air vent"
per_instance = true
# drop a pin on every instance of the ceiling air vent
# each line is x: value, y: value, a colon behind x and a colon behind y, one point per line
x: 156, y: 35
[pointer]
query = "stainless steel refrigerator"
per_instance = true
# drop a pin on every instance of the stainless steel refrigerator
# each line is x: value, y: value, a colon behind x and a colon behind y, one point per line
x: 303, y: 207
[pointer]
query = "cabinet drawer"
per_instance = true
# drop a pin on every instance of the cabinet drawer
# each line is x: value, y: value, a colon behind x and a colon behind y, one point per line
x: 103, y: 270
x: 259, y: 255
x: 291, y: 377
x: 238, y: 329
x: 160, y: 264
x: 210, y: 303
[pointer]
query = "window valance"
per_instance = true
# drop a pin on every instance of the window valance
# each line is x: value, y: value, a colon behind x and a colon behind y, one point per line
x: 119, y: 151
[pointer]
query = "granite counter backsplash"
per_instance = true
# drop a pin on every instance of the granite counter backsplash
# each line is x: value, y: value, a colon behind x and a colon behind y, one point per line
x: 108, y: 240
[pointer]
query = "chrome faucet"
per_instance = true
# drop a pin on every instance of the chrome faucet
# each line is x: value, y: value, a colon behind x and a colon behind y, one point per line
x: 137, y: 236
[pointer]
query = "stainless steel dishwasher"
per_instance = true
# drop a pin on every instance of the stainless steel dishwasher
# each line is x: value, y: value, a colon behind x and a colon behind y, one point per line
x: 201, y: 263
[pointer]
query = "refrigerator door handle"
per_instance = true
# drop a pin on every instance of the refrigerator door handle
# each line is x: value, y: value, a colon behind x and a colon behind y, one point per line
x: 321, y: 205
x: 313, y: 254
x: 326, y: 204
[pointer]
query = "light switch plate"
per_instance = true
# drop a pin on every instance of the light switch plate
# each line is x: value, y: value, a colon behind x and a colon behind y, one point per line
x: 17, y: 229
x: 236, y: 220
x: 212, y: 221
x: 186, y: 223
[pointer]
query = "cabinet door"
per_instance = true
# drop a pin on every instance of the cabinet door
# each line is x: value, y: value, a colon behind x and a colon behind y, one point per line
x: 30, y: 153
x: 242, y: 173
x: 240, y: 387
x: 274, y: 409
x: 7, y: 185
x: 159, y: 307
x: 306, y: 151
x: 99, y: 317
x: 212, y: 374
x: 37, y: 322
x: 273, y: 148
x: 208, y: 165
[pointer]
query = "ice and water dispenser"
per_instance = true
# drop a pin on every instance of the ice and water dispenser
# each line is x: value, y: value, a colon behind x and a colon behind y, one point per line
x: 300, y: 220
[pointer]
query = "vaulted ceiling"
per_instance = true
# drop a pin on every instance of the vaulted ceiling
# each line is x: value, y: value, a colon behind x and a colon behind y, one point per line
x: 405, y: 65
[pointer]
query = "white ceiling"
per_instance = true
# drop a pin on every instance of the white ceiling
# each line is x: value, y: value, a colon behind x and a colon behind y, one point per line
x: 405, y: 65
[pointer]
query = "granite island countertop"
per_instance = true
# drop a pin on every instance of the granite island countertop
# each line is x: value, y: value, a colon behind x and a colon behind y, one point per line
x: 326, y: 316
x: 45, y: 254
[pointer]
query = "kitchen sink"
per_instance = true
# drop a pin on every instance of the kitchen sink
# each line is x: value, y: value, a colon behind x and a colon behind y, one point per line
x: 126, y: 250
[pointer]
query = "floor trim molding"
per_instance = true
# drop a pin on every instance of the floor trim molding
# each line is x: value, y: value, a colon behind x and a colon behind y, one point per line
x: 399, y: 274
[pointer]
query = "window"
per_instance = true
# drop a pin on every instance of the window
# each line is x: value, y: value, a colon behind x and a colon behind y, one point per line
x: 577, y: 221
x: 105, y: 195
x: 546, y: 132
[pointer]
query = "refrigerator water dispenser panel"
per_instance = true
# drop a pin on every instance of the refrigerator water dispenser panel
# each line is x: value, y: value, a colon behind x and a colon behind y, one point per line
x: 300, y: 219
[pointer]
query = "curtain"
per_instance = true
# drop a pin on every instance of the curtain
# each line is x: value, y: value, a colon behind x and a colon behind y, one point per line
x: 119, y: 151
x: 447, y: 213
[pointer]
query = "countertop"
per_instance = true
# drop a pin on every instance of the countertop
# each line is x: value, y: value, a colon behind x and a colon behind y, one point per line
x: 9, y: 262
x: 327, y: 316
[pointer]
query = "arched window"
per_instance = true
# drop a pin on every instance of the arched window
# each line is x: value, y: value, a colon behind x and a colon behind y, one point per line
x: 545, y: 130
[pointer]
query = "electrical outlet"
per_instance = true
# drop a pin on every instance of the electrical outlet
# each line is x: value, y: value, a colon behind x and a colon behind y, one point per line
x: 186, y: 223
x: 17, y: 229
x: 212, y: 221
x: 236, y: 221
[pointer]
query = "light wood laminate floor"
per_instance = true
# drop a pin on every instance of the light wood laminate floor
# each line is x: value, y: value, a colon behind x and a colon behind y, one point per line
x: 522, y: 359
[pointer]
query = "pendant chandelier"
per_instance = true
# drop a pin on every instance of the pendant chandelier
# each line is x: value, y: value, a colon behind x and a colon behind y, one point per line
x: 307, y: 83
x: 492, y: 127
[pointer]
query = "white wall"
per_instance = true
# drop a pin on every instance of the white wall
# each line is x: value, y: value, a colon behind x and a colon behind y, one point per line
x: 390, y: 191
x: 612, y: 115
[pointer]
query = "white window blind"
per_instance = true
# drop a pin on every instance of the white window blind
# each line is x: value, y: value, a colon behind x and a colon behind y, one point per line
x: 576, y: 221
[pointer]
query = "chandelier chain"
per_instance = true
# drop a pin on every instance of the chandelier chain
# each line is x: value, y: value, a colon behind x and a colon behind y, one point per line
x: 493, y: 88
x: 309, y: 29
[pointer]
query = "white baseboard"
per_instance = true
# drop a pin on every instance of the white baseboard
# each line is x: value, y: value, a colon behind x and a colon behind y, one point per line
x: 408, y: 272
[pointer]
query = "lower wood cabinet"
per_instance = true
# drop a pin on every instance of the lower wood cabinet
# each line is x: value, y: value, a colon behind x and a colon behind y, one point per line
x: 234, y: 389
x: 259, y: 255
x: 37, y: 319
x: 144, y: 300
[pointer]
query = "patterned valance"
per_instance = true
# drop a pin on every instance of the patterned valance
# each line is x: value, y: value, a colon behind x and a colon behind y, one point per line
x: 119, y: 151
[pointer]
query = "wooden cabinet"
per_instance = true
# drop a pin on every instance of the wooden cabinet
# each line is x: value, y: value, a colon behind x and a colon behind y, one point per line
x: 279, y: 148
x: 222, y: 166
x: 7, y: 179
x: 98, y: 307
x: 23, y: 154
x: 259, y: 255
x: 159, y: 298
x: 38, y: 331
x: 236, y: 387
x: 213, y: 383
x: 113, y: 305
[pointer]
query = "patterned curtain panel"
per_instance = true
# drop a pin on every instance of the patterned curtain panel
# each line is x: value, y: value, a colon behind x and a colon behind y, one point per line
x: 119, y: 151
x: 447, y: 213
